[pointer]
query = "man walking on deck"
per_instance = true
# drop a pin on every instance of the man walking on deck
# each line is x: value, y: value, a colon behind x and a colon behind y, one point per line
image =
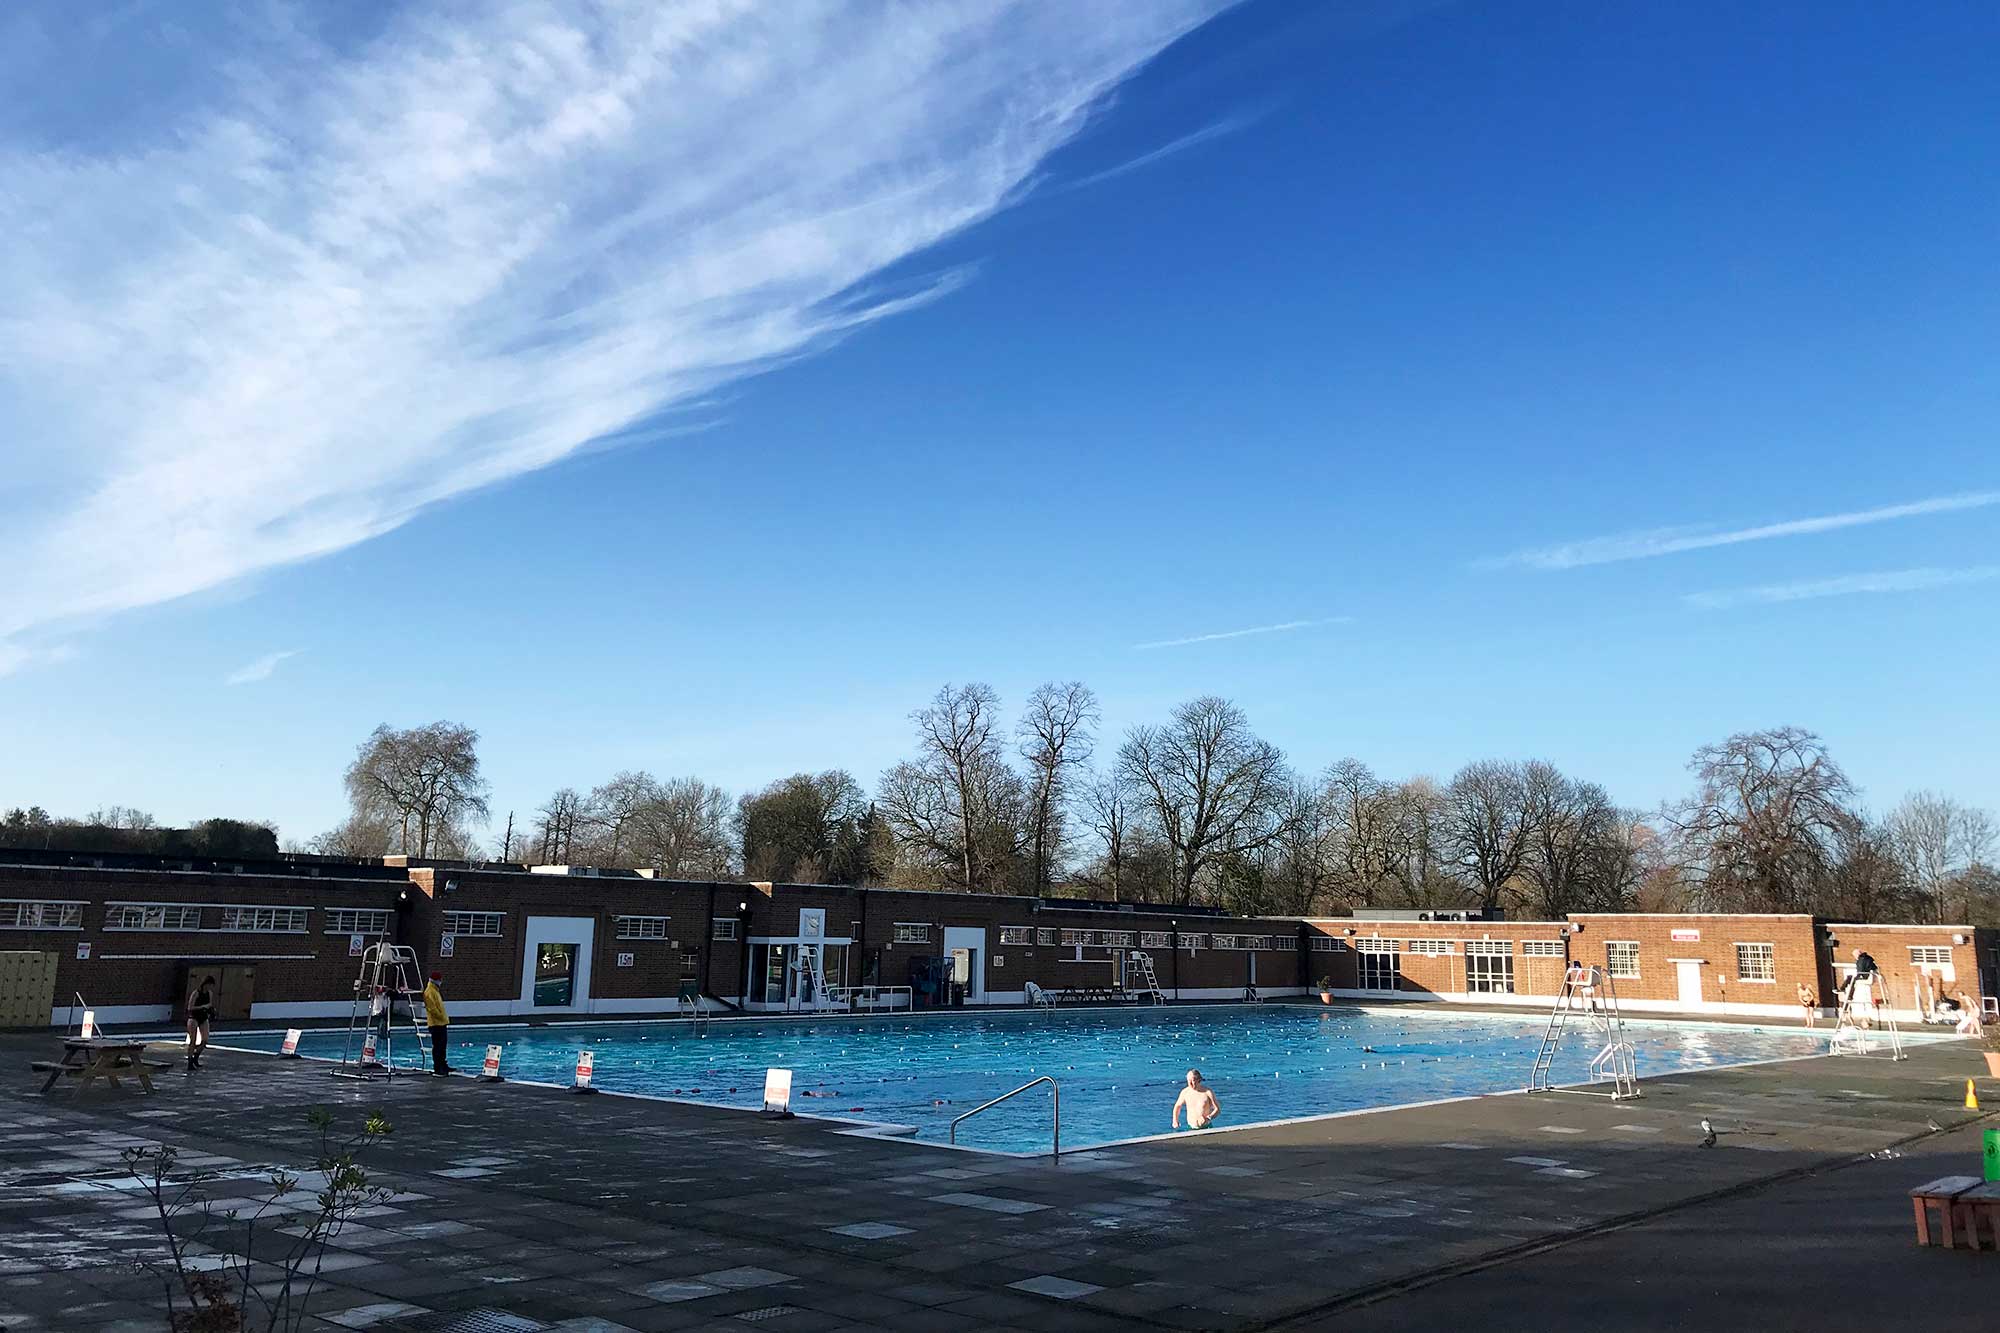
x: 440, y: 1024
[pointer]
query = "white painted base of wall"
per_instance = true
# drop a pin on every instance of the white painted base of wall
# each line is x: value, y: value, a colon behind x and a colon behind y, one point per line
x: 1442, y: 997
x: 309, y: 1009
x: 114, y: 1013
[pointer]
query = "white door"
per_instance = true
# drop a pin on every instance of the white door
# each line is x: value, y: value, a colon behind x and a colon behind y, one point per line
x: 973, y: 940
x: 1688, y: 972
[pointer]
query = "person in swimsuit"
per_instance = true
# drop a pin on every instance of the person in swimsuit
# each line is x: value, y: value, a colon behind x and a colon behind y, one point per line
x: 201, y: 1008
x: 1198, y: 1101
x: 1810, y: 1003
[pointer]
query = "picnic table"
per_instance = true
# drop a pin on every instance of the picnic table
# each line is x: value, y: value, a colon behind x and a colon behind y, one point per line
x: 87, y: 1059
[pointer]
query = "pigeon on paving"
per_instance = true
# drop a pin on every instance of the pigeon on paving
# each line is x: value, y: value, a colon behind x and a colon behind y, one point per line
x: 1707, y: 1135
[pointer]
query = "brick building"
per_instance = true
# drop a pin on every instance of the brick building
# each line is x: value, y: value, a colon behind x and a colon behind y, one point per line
x: 131, y: 933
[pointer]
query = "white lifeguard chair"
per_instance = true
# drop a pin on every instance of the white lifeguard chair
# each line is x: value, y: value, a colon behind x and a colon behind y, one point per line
x: 1865, y: 999
x: 391, y: 968
x: 1589, y: 993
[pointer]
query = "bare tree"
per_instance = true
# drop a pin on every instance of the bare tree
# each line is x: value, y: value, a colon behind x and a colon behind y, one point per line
x: 1210, y: 787
x: 1055, y: 740
x: 358, y: 835
x: 423, y: 782
x: 1106, y: 810
x: 958, y: 800
x: 1938, y: 840
x: 1763, y: 829
x: 1415, y: 833
x: 557, y: 828
x: 610, y: 810
x: 1305, y: 862
x: 1358, y: 804
x: 1487, y: 825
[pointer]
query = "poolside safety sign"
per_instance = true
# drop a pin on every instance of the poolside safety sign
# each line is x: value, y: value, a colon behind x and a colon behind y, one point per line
x: 89, y: 1024
x: 1684, y: 936
x: 490, y: 1070
x: 368, y: 1047
x: 446, y: 944
x: 82, y: 950
x: 354, y: 946
x: 291, y: 1046
x: 585, y: 1060
x: 778, y: 1090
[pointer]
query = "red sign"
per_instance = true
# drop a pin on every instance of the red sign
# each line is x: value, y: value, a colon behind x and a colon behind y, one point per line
x: 491, y: 1069
x: 291, y: 1045
x: 368, y: 1048
x: 1684, y: 936
x: 584, y: 1061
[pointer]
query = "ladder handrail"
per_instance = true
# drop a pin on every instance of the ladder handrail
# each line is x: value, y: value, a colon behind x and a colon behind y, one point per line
x: 1055, y: 1103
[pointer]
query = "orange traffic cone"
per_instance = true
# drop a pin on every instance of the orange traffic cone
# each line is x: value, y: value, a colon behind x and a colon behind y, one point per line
x: 1971, y: 1097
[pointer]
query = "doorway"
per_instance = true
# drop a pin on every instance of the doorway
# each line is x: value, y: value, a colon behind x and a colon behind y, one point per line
x: 1687, y: 972
x: 965, y: 957
x: 555, y: 965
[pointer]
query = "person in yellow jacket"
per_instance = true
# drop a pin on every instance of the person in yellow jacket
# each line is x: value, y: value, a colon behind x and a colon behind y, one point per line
x: 440, y: 1023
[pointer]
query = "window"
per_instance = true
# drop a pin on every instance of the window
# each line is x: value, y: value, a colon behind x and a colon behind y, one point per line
x: 1921, y: 955
x: 1120, y: 939
x: 643, y: 927
x: 1045, y: 934
x: 1257, y: 941
x: 152, y: 916
x: 1076, y: 937
x: 722, y: 928
x: 1381, y: 969
x: 1285, y: 943
x: 1489, y: 967
x: 913, y: 932
x: 41, y: 916
x: 1228, y: 941
x: 1017, y: 934
x: 1194, y: 941
x: 266, y: 920
x: 1327, y: 944
x: 472, y: 923
x: 356, y: 921
x: 1156, y: 939
x: 1375, y: 944
x: 1431, y: 948
x: 1756, y: 962
x: 1541, y: 949
x: 1622, y: 958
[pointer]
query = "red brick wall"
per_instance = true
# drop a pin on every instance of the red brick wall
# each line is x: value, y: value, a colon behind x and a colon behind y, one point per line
x: 1795, y: 955
x: 1443, y: 974
x: 1890, y: 946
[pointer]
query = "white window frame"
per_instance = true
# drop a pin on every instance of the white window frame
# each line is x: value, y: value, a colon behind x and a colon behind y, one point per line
x: 1376, y: 965
x: 722, y: 928
x: 1257, y: 943
x: 1225, y: 941
x: 1285, y: 943
x: 68, y: 916
x: 1489, y: 948
x: 1120, y: 939
x: 244, y: 920
x: 1046, y: 935
x: 690, y: 963
x: 472, y: 924
x: 1156, y: 939
x: 1072, y: 936
x: 1541, y: 949
x: 1770, y: 957
x: 1930, y: 955
x: 152, y: 916
x: 1325, y: 944
x: 1022, y: 935
x: 1431, y: 948
x: 1489, y: 970
x: 912, y: 932
x: 1611, y: 961
x: 356, y: 921
x: 1194, y: 939
x: 1376, y: 944
x: 643, y: 927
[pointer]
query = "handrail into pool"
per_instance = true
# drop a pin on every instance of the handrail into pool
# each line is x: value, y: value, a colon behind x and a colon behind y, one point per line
x: 1055, y: 1108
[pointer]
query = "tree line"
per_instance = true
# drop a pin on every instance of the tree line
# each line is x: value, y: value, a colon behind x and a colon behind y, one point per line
x: 1199, y: 809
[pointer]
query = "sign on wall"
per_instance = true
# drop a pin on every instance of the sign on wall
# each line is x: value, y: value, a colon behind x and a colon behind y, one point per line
x: 999, y: 960
x: 446, y: 944
x: 624, y: 960
x: 83, y: 949
x: 1684, y: 936
x: 355, y: 944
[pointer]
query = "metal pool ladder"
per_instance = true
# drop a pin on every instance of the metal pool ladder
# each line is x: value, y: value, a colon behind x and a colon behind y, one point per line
x: 1055, y: 1110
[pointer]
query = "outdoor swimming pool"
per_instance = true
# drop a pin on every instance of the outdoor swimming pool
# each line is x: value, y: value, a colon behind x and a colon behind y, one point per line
x: 1119, y: 1070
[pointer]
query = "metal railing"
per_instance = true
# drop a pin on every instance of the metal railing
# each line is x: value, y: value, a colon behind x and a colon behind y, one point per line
x: 76, y: 1002
x: 1055, y: 1111
x: 870, y: 998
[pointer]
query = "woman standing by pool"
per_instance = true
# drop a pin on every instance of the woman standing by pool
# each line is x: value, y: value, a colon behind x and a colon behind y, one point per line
x: 201, y: 1008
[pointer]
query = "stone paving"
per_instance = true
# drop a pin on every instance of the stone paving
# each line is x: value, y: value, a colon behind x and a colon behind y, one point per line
x: 522, y: 1208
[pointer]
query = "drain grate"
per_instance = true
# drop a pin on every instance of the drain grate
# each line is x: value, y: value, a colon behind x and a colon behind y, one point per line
x: 465, y: 1321
x: 769, y: 1312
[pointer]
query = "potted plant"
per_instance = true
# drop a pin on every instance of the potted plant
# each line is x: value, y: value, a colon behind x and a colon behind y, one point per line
x: 1326, y: 996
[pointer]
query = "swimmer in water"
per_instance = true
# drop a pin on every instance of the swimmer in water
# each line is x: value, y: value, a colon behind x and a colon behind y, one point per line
x: 1198, y: 1101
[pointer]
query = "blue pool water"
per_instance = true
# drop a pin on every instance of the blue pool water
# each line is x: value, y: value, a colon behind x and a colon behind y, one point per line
x: 1119, y: 1070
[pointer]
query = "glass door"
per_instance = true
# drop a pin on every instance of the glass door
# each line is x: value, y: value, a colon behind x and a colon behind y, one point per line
x: 555, y: 975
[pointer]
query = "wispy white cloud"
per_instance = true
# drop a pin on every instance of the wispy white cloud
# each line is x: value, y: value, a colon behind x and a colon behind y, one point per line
x: 1216, y: 130
x: 1893, y: 580
x: 252, y: 672
x: 1244, y: 633
x: 352, y: 277
x: 1672, y: 541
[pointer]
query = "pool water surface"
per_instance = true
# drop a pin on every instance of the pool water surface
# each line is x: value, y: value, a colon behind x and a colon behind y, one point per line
x: 1119, y: 1070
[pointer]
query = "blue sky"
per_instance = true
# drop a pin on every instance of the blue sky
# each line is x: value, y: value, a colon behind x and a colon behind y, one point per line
x: 699, y: 396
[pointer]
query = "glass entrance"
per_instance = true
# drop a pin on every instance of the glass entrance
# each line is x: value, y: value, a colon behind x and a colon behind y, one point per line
x: 555, y: 975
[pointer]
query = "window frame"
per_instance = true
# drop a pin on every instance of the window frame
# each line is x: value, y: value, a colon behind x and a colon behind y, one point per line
x: 1611, y: 960
x: 723, y: 928
x: 638, y: 926
x: 1018, y: 935
x: 1770, y: 957
x: 333, y: 917
x: 234, y: 920
x: 474, y: 914
x: 115, y: 919
x: 911, y: 932
x: 71, y: 908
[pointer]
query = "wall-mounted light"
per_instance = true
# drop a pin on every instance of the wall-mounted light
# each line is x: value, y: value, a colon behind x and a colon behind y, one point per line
x: 1576, y: 928
x: 1350, y: 930
x: 1960, y: 939
x: 451, y: 886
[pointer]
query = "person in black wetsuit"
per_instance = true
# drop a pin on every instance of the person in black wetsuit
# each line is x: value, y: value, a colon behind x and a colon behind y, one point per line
x: 201, y: 1008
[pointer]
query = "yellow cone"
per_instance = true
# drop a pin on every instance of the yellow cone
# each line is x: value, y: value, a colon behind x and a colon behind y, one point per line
x: 1971, y: 1097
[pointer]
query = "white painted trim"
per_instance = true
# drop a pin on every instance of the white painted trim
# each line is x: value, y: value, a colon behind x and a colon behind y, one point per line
x: 539, y: 930
x: 1440, y: 997
x: 117, y: 1013
x: 302, y: 1009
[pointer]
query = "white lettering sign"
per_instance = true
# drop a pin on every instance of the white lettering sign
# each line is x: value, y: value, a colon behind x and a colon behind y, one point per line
x: 355, y: 944
x: 585, y: 1061
x: 446, y: 945
x: 291, y: 1046
x: 368, y: 1047
x: 777, y: 1090
x: 491, y: 1069
x: 624, y: 960
x: 83, y: 948
x: 89, y: 1024
x: 1684, y: 936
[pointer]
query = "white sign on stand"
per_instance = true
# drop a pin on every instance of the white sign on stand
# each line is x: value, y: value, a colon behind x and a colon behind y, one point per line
x: 490, y: 1070
x: 585, y: 1062
x: 89, y: 1024
x: 291, y: 1046
x: 778, y: 1090
x: 368, y: 1047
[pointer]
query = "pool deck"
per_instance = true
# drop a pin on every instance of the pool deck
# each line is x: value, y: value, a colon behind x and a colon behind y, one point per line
x: 607, y: 1213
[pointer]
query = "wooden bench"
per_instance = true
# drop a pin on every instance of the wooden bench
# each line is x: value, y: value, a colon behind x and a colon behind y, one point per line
x: 1943, y: 1194
x: 1978, y: 1210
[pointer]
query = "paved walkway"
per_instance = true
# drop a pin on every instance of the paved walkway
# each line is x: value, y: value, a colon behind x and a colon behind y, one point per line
x: 607, y: 1213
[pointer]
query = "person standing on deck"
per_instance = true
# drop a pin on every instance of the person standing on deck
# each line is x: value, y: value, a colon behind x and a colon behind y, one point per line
x: 1810, y: 1003
x: 440, y: 1023
x: 200, y: 1010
